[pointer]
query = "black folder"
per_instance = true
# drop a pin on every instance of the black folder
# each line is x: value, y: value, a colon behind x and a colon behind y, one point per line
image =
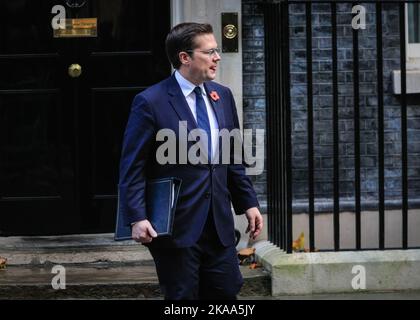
x: 161, y: 199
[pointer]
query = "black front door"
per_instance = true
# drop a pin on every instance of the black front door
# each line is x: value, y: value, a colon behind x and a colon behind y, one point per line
x: 60, y: 136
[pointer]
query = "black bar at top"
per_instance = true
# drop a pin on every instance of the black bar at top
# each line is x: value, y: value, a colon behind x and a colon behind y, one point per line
x: 347, y: 1
x: 381, y: 149
x: 335, y: 129
x: 356, y: 135
x: 403, y: 127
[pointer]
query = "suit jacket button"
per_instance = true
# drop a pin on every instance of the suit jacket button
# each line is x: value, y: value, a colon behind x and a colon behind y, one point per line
x: 207, y: 195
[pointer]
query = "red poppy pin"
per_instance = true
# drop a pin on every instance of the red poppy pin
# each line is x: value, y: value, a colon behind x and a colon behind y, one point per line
x: 214, y: 96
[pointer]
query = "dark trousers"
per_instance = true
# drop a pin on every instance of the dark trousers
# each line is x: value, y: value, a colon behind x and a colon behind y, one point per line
x: 207, y: 270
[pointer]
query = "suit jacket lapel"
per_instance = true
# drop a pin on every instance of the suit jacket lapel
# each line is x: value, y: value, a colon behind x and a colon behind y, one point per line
x: 180, y: 105
x: 217, y: 105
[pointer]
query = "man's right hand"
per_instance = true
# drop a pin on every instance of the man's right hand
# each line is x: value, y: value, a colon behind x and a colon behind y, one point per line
x: 142, y: 231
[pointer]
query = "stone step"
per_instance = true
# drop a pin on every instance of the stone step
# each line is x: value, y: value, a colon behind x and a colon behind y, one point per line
x: 72, y: 249
x: 103, y: 281
x: 96, y: 267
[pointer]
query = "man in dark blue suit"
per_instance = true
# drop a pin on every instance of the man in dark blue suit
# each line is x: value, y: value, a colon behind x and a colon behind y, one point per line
x: 199, y: 260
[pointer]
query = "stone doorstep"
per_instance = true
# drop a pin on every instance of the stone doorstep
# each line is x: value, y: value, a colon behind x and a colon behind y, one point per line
x: 102, y: 281
x: 72, y: 249
x: 63, y: 241
x: 93, y: 281
x: 337, y: 272
x: 96, y: 267
x: 76, y: 256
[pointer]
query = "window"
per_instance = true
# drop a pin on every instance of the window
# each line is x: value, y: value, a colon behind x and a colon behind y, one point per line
x: 413, y: 22
x: 413, y: 32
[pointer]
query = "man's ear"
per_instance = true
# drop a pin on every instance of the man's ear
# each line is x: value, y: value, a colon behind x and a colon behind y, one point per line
x: 184, y: 57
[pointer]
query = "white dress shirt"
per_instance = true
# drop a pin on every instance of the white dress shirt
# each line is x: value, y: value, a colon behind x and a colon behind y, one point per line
x: 188, y: 90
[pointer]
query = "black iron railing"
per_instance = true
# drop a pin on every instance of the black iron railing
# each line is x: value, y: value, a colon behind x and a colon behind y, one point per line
x: 279, y: 130
x: 279, y: 189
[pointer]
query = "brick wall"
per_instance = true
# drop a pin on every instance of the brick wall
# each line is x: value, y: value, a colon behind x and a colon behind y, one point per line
x: 254, y: 80
x: 254, y: 108
x: 322, y: 90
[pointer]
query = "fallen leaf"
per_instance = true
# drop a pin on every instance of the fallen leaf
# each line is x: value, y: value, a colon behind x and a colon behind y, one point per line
x: 255, y: 265
x: 299, y: 244
x: 3, y: 262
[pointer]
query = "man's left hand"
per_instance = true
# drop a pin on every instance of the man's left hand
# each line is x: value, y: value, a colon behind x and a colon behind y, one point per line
x: 255, y: 222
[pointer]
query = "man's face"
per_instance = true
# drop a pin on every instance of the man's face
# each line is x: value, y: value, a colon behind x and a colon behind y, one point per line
x: 203, y: 64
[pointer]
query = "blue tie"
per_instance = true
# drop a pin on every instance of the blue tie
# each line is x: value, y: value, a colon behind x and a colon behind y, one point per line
x: 202, y: 117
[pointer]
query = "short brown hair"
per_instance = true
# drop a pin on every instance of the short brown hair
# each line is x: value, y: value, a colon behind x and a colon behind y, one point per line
x: 181, y: 38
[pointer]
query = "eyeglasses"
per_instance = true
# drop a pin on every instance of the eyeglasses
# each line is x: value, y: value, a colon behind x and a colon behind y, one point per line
x: 210, y: 52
